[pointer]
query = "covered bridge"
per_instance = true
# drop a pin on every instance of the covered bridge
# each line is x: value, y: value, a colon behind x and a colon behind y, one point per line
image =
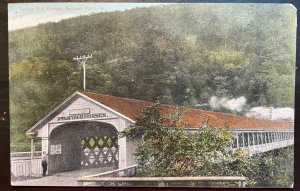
x: 84, y: 131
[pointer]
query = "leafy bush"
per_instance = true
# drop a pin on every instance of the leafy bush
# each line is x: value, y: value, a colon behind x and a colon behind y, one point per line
x: 169, y: 150
x: 173, y: 151
x: 274, y: 168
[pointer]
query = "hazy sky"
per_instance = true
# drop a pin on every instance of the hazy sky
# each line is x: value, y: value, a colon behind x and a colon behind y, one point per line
x: 22, y: 15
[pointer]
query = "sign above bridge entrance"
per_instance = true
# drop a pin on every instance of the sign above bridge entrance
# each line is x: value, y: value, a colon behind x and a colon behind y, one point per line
x: 82, y: 109
x: 83, y: 116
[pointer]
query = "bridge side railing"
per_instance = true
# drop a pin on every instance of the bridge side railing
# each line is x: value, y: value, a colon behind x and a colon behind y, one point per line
x: 25, y: 168
x: 21, y: 164
x: 24, y: 155
x: 161, y: 181
x: 262, y: 141
x: 127, y: 171
x: 123, y: 177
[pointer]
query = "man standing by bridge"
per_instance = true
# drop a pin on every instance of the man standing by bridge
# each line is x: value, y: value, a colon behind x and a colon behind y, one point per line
x: 44, y: 162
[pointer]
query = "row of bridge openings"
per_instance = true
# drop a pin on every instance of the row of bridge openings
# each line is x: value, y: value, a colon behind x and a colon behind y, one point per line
x: 245, y: 139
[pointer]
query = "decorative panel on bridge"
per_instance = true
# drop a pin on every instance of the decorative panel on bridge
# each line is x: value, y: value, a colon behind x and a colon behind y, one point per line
x: 99, y: 151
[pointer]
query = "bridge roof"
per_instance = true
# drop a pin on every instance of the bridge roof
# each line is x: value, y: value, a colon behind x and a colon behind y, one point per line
x: 193, y: 118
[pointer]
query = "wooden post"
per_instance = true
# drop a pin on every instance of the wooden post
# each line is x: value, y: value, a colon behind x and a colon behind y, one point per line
x: 122, y: 151
x: 272, y: 146
x: 32, y: 149
x: 271, y: 137
x: 281, y: 136
x: 237, y: 141
x: 278, y: 141
x: 253, y: 143
x: 248, y: 139
x: 161, y: 184
x: 258, y: 140
x: 242, y: 184
x: 267, y: 141
x: 243, y: 138
x: 286, y: 138
x: 134, y: 171
x: 271, y: 140
x: 31, y: 153
x: 266, y: 135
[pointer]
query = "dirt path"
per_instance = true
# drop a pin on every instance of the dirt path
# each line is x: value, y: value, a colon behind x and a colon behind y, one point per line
x: 59, y: 179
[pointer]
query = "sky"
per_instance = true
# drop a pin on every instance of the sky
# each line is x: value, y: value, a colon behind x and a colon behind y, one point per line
x: 23, y: 15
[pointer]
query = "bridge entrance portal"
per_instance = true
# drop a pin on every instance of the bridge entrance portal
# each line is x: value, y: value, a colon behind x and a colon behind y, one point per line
x: 82, y: 145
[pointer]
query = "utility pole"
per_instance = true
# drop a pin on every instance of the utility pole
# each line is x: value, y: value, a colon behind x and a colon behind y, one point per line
x: 82, y: 60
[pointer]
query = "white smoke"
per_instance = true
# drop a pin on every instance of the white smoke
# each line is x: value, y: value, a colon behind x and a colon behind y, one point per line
x: 270, y: 113
x: 232, y: 104
x: 214, y: 102
x: 238, y: 104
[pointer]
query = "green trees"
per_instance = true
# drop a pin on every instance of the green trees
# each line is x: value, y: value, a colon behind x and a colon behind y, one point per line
x: 166, y: 149
x: 36, y: 87
x: 172, y: 151
x: 178, y: 54
x: 274, y: 168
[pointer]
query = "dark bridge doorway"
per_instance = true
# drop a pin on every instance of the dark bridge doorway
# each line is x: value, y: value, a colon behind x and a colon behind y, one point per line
x: 83, y: 145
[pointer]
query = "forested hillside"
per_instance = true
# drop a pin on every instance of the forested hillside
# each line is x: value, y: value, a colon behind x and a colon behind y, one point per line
x: 177, y: 54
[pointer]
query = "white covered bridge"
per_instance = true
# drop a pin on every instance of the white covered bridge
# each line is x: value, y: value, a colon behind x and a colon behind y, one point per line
x: 84, y: 131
